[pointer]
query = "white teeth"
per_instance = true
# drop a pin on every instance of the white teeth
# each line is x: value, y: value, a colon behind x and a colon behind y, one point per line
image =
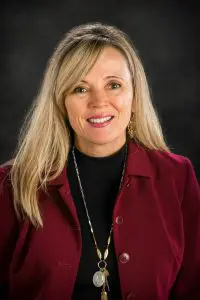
x: 101, y: 120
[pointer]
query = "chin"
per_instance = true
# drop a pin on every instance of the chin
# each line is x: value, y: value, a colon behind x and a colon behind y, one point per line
x: 103, y: 140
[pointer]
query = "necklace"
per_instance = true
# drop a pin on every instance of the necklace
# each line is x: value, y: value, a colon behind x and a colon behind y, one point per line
x: 100, y: 278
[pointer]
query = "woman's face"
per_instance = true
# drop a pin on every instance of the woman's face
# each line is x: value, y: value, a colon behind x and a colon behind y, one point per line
x: 99, y: 107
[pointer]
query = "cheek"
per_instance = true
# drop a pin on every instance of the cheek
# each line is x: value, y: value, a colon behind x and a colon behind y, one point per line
x: 70, y: 105
x: 74, y: 113
x: 75, y: 106
x: 71, y: 108
x: 124, y: 104
x: 124, y: 107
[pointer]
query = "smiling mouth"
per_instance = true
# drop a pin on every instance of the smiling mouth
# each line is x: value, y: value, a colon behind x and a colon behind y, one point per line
x: 100, y: 120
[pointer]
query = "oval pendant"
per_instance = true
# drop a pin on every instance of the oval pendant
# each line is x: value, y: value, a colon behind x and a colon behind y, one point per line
x: 98, y: 278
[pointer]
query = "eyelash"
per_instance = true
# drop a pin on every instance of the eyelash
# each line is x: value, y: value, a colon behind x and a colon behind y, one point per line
x: 81, y: 87
x: 78, y: 88
x: 116, y: 83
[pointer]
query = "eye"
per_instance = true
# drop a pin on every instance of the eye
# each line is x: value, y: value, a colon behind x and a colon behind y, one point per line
x: 80, y: 90
x: 115, y: 85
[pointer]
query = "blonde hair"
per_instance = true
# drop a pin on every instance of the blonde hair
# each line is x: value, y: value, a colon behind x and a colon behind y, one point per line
x: 45, y: 137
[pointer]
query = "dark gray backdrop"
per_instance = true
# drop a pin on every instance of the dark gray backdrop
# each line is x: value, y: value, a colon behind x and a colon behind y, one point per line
x: 164, y: 33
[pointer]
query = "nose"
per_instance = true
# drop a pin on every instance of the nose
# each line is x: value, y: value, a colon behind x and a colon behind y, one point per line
x: 98, y: 99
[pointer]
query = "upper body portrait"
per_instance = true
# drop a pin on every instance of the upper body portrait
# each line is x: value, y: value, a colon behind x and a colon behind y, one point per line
x: 94, y: 205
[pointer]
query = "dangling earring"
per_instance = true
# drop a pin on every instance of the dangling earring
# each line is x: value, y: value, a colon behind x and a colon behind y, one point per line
x: 131, y: 126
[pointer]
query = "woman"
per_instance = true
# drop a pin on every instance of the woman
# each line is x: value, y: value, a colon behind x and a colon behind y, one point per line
x: 94, y: 205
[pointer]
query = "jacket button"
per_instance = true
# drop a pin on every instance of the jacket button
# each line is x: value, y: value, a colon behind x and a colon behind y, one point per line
x: 130, y: 296
x: 124, y: 258
x: 119, y: 220
x: 127, y: 185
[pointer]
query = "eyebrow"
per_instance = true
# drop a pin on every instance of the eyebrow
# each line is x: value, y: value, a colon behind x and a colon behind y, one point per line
x: 107, y: 77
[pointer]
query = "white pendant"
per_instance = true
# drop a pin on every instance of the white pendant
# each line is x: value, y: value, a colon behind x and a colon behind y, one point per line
x: 98, y: 278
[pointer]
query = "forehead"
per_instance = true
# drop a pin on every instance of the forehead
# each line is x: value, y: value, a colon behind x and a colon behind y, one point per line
x: 110, y: 62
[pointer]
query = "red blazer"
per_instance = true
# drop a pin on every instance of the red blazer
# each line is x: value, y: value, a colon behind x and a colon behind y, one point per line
x: 156, y: 234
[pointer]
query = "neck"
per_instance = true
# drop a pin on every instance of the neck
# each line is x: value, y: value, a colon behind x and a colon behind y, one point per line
x: 99, y: 150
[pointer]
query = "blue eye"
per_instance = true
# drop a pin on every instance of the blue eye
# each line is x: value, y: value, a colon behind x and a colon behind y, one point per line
x: 80, y: 90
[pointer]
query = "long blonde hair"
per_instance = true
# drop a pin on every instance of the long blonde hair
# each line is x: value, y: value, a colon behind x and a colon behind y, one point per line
x: 44, y: 140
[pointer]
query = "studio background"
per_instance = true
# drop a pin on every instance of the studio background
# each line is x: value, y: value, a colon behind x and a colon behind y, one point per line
x: 164, y: 33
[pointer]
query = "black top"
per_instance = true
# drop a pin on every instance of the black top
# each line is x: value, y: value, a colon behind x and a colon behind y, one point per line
x: 100, y: 178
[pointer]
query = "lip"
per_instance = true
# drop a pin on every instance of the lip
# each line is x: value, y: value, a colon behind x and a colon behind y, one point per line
x: 99, y: 116
x: 100, y: 125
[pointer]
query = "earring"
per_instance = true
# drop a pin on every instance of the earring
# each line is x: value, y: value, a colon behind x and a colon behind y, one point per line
x: 131, y: 126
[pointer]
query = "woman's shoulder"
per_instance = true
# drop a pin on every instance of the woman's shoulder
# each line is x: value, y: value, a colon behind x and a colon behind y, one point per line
x: 169, y: 159
x: 5, y: 175
x: 167, y: 169
x: 172, y: 165
x: 166, y: 162
x: 6, y: 194
x: 9, y: 224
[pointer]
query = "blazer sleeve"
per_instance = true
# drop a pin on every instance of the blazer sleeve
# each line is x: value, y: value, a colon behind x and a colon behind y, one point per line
x: 187, y: 284
x: 8, y: 231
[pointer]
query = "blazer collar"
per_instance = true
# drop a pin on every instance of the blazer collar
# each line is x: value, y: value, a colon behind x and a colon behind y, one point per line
x: 138, y: 164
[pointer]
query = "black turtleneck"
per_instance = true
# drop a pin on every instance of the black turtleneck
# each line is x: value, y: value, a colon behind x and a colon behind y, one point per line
x: 100, y: 178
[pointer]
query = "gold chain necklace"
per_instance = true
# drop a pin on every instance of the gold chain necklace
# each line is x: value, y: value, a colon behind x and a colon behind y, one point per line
x: 100, y: 278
